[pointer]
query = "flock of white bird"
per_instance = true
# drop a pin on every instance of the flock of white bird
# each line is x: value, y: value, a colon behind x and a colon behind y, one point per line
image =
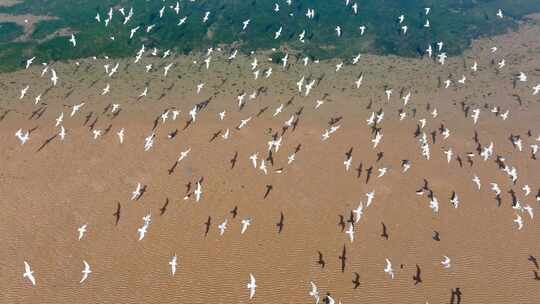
x: 305, y: 86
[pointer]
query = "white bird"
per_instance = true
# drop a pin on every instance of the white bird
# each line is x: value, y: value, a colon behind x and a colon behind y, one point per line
x: 245, y: 24
x: 301, y: 36
x: 81, y: 231
x: 37, y: 99
x: 263, y: 166
x: 144, y: 93
x: 300, y: 83
x: 536, y: 89
x: 133, y: 31
x: 314, y: 292
x: 475, y: 115
x: 447, y: 83
x: 406, y: 98
x: 245, y: 223
x: 206, y: 16
x: 198, y: 191
x: 377, y: 139
x: 402, y: 115
x: 253, y: 159
x: 97, y: 133
x: 455, y: 200
x: 441, y: 58
x: 350, y: 232
x: 358, y: 82
x: 500, y: 13
x: 526, y: 189
x: 388, y: 269
x: 226, y: 134
x: 476, y: 180
x: 370, y: 196
x: 200, y: 87
x: 59, y: 119
x: 519, y: 221
x: 362, y: 29
x: 135, y: 194
x: 29, y: 62
x: 173, y: 264
x: 147, y: 219
x: 142, y: 231
x: 86, y: 271
x: 182, y: 20
x: 183, y: 154
x: 355, y: 8
x: 310, y: 13
x: 62, y: 133
x: 495, y: 188
x: 290, y: 158
x: 446, y: 262
x: 149, y: 141
x: 406, y: 166
x: 284, y: 60
x: 251, y: 286
x: 434, y: 204
x: 529, y: 210
x: 54, y: 77
x: 222, y: 227
x: 28, y: 273
x: 24, y: 91
x: 22, y: 137
x: 429, y: 51
x: 166, y: 69
x: 72, y: 40
x: 449, y: 154
x: 522, y: 77
x: 175, y: 114
x: 289, y: 122
x: 233, y: 55
x: 193, y: 113
x: 371, y: 119
x: 278, y: 33
x: 475, y: 67
x: 120, y: 135
x: 331, y: 300
x: 388, y: 93
x: 278, y: 110
x: 404, y: 29
x: 106, y: 90
x: 348, y: 163
x: 207, y: 62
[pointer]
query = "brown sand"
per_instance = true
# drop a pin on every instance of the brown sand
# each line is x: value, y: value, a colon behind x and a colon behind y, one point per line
x: 47, y: 195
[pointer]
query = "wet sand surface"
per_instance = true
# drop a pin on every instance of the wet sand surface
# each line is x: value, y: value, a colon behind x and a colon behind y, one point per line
x: 48, y: 194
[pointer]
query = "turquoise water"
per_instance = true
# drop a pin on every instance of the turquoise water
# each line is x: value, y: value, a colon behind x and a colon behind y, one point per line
x: 451, y: 21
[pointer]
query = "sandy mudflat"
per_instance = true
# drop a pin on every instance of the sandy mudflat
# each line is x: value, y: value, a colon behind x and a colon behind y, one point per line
x: 47, y: 195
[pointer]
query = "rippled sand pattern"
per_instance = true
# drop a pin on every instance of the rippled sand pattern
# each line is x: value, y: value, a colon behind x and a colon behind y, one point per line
x: 47, y: 195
